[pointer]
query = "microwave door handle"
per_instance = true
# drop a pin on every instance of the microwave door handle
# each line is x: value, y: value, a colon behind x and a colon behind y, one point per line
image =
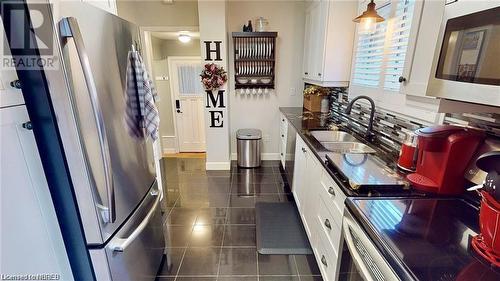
x: 68, y: 28
x: 121, y: 244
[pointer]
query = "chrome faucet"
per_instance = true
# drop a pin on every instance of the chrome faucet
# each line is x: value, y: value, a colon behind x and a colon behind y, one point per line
x: 369, y: 133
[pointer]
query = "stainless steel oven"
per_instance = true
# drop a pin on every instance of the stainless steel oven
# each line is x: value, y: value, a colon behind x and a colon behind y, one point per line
x: 466, y: 64
x: 360, y: 258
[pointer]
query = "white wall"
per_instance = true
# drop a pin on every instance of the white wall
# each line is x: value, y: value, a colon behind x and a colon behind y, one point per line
x: 158, y: 13
x: 213, y: 27
x: 262, y: 112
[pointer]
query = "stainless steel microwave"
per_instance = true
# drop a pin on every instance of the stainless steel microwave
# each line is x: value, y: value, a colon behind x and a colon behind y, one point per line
x: 466, y: 63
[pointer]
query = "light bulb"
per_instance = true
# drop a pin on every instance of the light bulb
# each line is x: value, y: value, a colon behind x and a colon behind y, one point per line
x: 367, y: 25
x: 184, y: 38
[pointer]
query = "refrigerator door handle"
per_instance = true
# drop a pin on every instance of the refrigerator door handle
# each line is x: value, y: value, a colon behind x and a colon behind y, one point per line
x: 68, y: 27
x: 120, y: 244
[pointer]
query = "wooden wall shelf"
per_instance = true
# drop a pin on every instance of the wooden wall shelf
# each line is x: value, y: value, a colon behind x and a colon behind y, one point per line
x: 254, y: 58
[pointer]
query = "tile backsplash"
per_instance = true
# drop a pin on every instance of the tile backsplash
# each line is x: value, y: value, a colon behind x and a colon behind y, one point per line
x: 391, y: 130
x: 489, y: 122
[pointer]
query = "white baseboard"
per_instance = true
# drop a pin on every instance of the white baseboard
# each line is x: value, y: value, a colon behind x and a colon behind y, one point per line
x: 225, y: 166
x: 169, y: 144
x: 263, y: 156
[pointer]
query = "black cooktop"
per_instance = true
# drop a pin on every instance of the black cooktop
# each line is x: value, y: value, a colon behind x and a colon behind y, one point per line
x: 425, y: 239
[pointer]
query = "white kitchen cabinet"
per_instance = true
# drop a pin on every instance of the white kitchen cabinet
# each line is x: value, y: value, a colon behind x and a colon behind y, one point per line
x: 107, y: 5
x: 283, y: 138
x: 420, y: 52
x: 9, y: 95
x: 320, y: 202
x: 31, y: 239
x: 329, y: 36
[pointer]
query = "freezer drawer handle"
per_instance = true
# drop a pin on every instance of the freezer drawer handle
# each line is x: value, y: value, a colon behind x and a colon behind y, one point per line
x: 68, y: 28
x: 122, y: 243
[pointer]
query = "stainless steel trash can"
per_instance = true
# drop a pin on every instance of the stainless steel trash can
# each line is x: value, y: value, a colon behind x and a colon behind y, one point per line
x: 248, y: 147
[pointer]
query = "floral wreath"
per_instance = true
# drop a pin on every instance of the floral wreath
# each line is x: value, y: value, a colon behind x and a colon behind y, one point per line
x: 213, y: 76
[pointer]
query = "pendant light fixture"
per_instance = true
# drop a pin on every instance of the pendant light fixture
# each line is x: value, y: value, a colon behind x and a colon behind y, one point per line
x: 368, y: 20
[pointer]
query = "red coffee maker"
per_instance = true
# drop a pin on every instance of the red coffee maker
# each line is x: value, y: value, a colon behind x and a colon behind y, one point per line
x: 443, y: 154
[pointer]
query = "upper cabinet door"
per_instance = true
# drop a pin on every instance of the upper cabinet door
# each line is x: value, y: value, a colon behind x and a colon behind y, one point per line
x: 422, y: 45
x: 308, y: 38
x: 329, y: 33
x: 107, y: 5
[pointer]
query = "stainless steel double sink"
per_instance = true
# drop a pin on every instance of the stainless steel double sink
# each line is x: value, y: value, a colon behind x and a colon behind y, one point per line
x: 341, y: 142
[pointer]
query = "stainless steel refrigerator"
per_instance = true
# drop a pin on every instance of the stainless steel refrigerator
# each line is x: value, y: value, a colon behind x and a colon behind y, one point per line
x: 113, y: 173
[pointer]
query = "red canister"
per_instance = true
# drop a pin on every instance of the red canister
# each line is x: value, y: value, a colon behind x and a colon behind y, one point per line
x: 408, y: 154
x: 487, y: 244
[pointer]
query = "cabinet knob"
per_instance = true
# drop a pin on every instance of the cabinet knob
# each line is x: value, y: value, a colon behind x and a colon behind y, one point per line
x: 319, y: 74
x: 327, y: 224
x: 323, y: 260
x: 401, y: 79
x: 304, y: 150
x: 331, y: 190
x: 306, y: 73
x: 27, y: 125
x: 281, y: 153
x: 15, y: 84
x: 282, y: 136
x: 283, y: 120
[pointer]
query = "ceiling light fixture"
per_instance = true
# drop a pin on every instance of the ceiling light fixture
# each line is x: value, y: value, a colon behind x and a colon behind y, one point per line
x: 368, y: 20
x: 184, y: 38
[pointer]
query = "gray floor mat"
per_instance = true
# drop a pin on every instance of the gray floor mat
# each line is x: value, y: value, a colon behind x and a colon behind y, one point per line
x: 279, y: 230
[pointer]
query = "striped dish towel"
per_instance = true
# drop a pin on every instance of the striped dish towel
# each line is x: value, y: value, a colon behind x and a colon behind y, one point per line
x: 141, y: 116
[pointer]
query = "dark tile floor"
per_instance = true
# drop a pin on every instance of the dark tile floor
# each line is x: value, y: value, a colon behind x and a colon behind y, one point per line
x: 210, y: 225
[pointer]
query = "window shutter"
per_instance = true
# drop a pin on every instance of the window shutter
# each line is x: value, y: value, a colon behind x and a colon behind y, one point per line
x: 398, y: 36
x: 380, y: 56
x: 369, y: 55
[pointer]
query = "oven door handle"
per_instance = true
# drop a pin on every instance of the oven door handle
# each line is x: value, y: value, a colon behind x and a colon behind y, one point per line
x: 378, y: 270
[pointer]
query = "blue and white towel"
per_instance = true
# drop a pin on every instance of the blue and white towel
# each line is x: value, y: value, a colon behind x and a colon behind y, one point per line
x: 141, y: 113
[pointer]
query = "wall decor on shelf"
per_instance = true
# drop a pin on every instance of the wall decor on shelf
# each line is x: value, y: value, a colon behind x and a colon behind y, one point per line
x: 254, y: 61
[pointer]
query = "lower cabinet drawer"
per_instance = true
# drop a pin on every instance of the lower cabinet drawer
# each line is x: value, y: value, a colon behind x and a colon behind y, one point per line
x: 328, y: 226
x: 333, y: 197
x: 326, y: 257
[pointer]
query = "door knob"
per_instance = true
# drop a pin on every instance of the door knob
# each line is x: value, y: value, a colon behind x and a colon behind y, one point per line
x: 401, y: 79
x: 304, y: 150
x: 15, y: 84
x: 323, y: 260
x: 179, y: 111
x: 27, y: 125
x: 331, y: 191
x: 327, y: 224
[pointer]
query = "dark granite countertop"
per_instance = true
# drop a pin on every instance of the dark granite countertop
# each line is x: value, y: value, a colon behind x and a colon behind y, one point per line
x: 424, y: 239
x: 378, y: 171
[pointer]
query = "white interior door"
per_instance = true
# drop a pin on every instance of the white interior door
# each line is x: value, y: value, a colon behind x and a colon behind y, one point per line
x: 187, y: 96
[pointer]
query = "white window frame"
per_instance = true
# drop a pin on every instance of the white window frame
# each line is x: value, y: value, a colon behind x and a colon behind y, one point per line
x: 396, y: 101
